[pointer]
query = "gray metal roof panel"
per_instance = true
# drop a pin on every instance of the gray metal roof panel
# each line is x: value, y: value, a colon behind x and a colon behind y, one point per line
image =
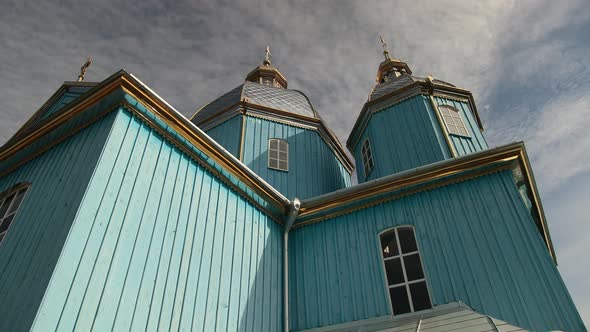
x: 219, y: 104
x: 398, y: 83
x: 291, y: 101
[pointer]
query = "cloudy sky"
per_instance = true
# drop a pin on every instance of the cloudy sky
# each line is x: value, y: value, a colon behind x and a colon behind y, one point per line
x: 525, y: 62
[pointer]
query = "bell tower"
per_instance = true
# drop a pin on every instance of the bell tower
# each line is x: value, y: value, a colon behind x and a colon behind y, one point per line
x: 409, y: 121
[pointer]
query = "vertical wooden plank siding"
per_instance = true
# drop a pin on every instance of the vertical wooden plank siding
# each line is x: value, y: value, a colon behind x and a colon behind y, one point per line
x: 403, y: 136
x: 228, y: 134
x: 313, y: 168
x: 161, y: 244
x: 31, y: 248
x: 478, y: 243
x: 465, y: 145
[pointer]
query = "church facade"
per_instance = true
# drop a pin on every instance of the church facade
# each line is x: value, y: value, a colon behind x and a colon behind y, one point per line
x: 119, y: 213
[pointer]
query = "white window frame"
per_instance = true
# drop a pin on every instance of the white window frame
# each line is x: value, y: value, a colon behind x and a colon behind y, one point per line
x: 406, y: 283
x: 282, y: 148
x: 453, y: 120
x: 11, y: 211
x: 366, y: 156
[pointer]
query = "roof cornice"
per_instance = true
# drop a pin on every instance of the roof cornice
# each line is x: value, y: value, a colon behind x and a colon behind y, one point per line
x: 424, y: 178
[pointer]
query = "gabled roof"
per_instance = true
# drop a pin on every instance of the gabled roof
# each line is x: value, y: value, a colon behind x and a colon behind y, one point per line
x: 67, y: 93
x: 286, y: 100
x: 171, y: 124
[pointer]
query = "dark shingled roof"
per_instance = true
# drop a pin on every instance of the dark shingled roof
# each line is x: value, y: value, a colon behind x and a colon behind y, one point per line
x: 286, y: 100
x: 398, y: 83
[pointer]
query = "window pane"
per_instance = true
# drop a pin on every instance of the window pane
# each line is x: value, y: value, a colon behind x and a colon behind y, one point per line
x: 274, y: 144
x: 420, y: 298
x: 283, y: 155
x: 444, y: 110
x: 406, y: 240
x: 399, y: 300
x: 273, y: 154
x: 283, y: 165
x: 4, y: 206
x: 389, y: 245
x: 395, y: 274
x: 17, y: 200
x: 462, y: 131
x: 5, y: 224
x: 283, y: 146
x: 413, y: 267
x: 448, y: 119
x: 273, y: 163
x: 458, y: 121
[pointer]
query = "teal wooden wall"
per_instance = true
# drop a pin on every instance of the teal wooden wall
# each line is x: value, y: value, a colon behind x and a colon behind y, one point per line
x: 33, y: 244
x: 404, y: 136
x: 465, y: 145
x: 408, y: 135
x: 228, y: 134
x: 160, y: 244
x: 484, y: 252
x: 313, y: 167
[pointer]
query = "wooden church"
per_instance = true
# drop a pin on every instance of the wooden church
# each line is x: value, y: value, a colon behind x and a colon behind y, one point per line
x: 118, y: 213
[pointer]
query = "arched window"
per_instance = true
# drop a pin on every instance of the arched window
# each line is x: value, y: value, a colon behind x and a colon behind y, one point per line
x: 278, y: 154
x: 10, y: 201
x: 367, y: 156
x: 406, y: 281
x: 453, y: 120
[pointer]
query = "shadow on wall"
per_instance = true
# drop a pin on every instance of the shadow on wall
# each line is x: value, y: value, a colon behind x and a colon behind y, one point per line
x: 313, y: 168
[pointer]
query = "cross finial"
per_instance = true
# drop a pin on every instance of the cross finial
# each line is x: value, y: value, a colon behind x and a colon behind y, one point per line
x: 267, y: 56
x: 84, y: 69
x: 385, y: 51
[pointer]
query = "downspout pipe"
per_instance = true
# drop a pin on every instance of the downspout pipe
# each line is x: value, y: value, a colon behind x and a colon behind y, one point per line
x: 293, y: 212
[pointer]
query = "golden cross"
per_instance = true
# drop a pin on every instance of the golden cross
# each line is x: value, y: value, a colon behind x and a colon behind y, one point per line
x: 268, y: 55
x: 384, y: 44
x: 84, y: 69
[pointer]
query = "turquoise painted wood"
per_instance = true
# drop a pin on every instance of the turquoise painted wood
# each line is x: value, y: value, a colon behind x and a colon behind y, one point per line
x: 228, y: 134
x: 465, y: 145
x: 403, y: 136
x: 408, y: 135
x: 161, y: 244
x: 313, y: 166
x: 484, y: 252
x: 30, y: 250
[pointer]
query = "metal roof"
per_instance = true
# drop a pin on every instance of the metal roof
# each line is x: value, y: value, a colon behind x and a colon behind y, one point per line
x: 287, y: 100
x: 398, y: 83
x: 454, y: 316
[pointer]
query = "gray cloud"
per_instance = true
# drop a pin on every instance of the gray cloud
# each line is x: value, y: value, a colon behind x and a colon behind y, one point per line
x: 526, y: 63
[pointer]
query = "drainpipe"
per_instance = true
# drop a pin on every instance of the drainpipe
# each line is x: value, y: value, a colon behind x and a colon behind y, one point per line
x: 293, y: 212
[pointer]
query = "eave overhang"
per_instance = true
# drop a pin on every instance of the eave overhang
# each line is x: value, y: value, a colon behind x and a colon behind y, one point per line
x: 163, y: 118
x: 429, y: 87
x: 432, y: 176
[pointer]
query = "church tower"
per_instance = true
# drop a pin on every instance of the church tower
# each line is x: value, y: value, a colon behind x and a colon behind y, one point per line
x: 278, y: 134
x: 410, y: 121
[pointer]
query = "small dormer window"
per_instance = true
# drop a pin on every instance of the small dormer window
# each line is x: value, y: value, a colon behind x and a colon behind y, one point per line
x: 453, y: 120
x: 267, y: 81
x: 10, y: 202
x: 367, y: 156
x: 278, y: 154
